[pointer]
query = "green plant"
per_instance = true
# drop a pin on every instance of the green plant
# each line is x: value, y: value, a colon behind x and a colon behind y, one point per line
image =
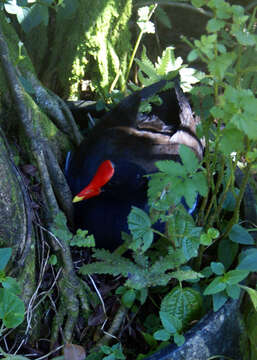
x: 224, y: 99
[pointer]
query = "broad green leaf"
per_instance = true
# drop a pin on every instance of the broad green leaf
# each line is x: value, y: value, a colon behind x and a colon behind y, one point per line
x: 34, y: 16
x: 12, y: 309
x: 214, y: 25
x: 227, y: 251
x: 219, y: 300
x: 5, y: 255
x: 233, y: 291
x: 170, y: 322
x: 217, y: 285
x: 179, y: 339
x: 193, y: 55
x: 12, y: 285
x: 240, y: 235
x: 139, y: 225
x: 253, y: 295
x: 235, y: 276
x: 217, y: 268
x: 182, y: 303
x: 248, y: 260
x: 128, y: 298
x: 162, y: 335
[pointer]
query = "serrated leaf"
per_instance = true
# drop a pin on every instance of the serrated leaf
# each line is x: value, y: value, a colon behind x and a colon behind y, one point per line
x: 232, y: 140
x: 188, y: 158
x: 139, y: 225
x: 240, y: 235
x: 220, y: 64
x: 182, y: 303
x: 163, y: 63
x: 171, y: 167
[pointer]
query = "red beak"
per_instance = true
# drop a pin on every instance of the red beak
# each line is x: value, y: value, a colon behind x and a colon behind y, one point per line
x: 103, y: 174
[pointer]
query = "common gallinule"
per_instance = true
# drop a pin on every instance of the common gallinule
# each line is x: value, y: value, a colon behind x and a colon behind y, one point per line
x: 106, y: 172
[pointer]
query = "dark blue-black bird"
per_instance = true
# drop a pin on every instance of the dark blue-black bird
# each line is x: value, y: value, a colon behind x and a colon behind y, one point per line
x: 106, y: 172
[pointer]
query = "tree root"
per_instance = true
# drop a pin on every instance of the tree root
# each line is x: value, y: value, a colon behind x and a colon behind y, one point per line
x: 54, y: 186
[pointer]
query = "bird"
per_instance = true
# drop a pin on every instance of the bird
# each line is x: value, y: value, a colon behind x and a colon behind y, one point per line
x: 106, y: 173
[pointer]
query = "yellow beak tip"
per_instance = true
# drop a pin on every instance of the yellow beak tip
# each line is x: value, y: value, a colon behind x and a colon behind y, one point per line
x: 77, y: 199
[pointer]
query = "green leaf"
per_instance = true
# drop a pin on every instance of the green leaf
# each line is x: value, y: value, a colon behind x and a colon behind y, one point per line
x: 240, y: 235
x: 215, y: 25
x: 220, y: 64
x: 233, y: 291
x: 253, y: 295
x: 193, y: 55
x: 33, y: 16
x: 232, y: 140
x: 82, y: 239
x: 53, y: 260
x: 163, y: 17
x: 227, y: 252
x: 235, y: 276
x: 12, y: 309
x: 219, y: 300
x: 186, y: 275
x: 170, y: 322
x: 198, y: 3
x: 162, y: 335
x: 5, y: 255
x: 12, y: 285
x: 179, y: 339
x: 189, y: 158
x: 245, y: 38
x: 217, y: 268
x: 182, y: 303
x: 246, y: 124
x: 128, y: 298
x: 217, y: 285
x: 248, y: 260
x: 139, y: 225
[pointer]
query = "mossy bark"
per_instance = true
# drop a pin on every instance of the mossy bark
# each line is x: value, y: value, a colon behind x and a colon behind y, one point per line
x: 82, y: 44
